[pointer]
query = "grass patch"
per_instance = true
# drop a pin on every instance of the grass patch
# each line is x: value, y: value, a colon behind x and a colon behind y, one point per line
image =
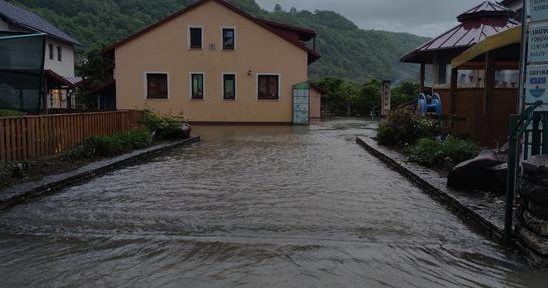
x: 106, y: 146
x: 10, y: 113
x: 91, y: 149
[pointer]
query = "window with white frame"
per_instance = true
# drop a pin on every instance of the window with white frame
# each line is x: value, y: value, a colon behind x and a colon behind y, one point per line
x: 268, y: 86
x: 229, y: 38
x: 157, y: 86
x: 195, y: 37
x: 197, y: 86
x: 229, y: 86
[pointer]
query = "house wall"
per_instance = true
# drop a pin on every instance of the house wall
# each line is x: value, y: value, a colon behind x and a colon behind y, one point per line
x: 315, y: 104
x: 488, y: 126
x: 165, y: 49
x: 65, y: 67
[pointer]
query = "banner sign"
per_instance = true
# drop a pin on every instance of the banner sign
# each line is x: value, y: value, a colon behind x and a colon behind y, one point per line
x: 538, y: 43
x: 539, y: 10
x: 301, y: 104
x: 386, y: 98
x: 535, y: 86
x: 536, y: 74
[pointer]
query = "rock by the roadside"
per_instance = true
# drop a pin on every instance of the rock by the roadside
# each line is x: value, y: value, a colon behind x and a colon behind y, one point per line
x: 486, y: 172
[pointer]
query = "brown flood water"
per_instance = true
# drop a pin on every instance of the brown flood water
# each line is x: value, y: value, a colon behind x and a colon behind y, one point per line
x: 252, y: 207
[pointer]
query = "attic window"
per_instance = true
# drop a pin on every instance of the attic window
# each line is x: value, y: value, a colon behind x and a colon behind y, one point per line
x: 196, y: 38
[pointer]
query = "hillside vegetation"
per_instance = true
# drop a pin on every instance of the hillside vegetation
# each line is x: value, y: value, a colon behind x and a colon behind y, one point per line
x: 348, y: 52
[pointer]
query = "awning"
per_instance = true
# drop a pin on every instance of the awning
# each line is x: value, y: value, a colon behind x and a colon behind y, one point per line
x: 502, y: 39
x: 60, y: 81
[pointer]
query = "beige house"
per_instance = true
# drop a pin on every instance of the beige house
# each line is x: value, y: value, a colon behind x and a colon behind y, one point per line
x: 215, y: 64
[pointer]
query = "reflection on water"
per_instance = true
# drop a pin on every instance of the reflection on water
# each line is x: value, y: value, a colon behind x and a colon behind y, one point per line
x: 252, y: 207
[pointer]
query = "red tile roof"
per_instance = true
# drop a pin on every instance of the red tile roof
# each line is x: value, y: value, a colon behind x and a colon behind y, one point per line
x: 268, y: 25
x: 478, y: 23
x: 61, y: 80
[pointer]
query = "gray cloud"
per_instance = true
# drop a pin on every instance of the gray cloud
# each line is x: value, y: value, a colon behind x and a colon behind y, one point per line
x: 421, y: 17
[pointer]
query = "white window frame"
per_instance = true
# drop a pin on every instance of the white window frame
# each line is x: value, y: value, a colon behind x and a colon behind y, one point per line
x: 235, y: 86
x: 190, y: 85
x: 223, y: 40
x: 189, y: 38
x: 279, y: 86
x: 146, y: 86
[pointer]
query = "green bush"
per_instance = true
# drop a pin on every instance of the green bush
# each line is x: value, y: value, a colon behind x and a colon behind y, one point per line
x: 104, y: 146
x: 386, y: 135
x: 404, y: 128
x: 432, y: 153
x: 10, y: 113
x: 426, y: 152
x: 459, y: 150
x: 164, y: 126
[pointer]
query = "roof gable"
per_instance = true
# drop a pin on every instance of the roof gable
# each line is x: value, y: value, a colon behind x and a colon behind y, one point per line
x: 26, y: 19
x: 478, y: 23
x: 313, y: 55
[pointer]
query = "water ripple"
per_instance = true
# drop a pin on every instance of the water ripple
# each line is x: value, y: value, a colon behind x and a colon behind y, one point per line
x: 252, y: 207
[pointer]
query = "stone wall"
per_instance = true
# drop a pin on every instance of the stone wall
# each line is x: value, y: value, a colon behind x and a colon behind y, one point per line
x: 533, y: 211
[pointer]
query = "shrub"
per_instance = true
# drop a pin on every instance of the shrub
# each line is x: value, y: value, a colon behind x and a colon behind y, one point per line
x: 386, y: 135
x: 404, y: 128
x: 459, y: 150
x: 10, y: 113
x: 426, y: 152
x: 163, y: 126
x: 432, y: 153
x: 104, y: 146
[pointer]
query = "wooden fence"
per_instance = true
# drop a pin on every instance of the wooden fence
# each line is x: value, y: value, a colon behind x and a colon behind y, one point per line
x: 33, y: 137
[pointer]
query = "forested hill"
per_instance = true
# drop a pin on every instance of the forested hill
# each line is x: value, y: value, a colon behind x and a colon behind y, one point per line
x: 347, y: 51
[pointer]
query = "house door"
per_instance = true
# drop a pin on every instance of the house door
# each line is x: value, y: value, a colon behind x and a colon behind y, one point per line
x: 301, y: 104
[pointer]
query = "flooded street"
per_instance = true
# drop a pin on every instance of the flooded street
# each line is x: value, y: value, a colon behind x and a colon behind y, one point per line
x: 252, y: 207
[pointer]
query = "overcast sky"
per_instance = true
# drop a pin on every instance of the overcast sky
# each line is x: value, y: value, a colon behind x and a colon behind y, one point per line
x: 421, y: 17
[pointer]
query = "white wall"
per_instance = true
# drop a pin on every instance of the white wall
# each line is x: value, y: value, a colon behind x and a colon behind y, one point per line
x: 65, y: 67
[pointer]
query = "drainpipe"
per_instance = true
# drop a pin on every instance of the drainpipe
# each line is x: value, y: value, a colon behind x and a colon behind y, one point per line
x: 523, y: 57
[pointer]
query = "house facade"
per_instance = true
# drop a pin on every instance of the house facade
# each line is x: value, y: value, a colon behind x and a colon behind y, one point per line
x: 59, y: 58
x: 213, y: 63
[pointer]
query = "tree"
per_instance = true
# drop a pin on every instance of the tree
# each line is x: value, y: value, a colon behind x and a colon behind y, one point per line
x: 278, y: 8
x: 94, y: 72
x: 369, y: 100
x: 404, y: 93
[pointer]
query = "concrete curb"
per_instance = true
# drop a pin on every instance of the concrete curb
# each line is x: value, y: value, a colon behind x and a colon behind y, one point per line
x: 21, y: 193
x: 470, y: 209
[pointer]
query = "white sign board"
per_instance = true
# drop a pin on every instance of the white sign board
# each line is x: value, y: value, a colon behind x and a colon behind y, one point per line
x: 538, y: 43
x: 537, y: 56
x: 539, y: 10
x: 535, y: 87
